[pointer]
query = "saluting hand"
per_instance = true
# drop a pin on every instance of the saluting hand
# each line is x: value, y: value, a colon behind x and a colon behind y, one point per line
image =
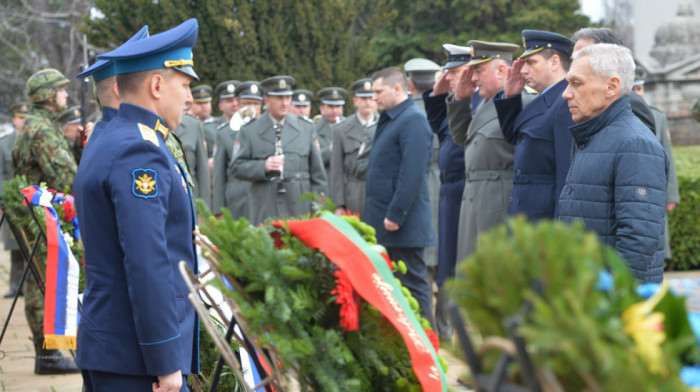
x: 169, y: 383
x: 465, y: 85
x: 442, y: 85
x: 515, y: 81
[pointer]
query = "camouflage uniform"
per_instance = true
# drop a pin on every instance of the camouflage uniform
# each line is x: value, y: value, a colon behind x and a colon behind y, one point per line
x: 42, y: 154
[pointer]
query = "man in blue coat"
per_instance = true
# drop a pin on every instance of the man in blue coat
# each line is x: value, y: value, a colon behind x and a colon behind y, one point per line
x: 398, y: 204
x: 617, y: 182
x: 138, y: 332
x: 538, y: 131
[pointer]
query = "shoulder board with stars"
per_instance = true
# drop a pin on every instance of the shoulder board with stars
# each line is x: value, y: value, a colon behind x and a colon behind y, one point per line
x: 148, y: 134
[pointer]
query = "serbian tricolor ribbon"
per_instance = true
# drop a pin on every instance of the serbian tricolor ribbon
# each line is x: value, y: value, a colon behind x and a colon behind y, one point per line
x: 62, y: 276
x: 373, y: 280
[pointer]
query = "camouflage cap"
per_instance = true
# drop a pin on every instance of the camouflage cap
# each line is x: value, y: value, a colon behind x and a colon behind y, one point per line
x: 43, y: 85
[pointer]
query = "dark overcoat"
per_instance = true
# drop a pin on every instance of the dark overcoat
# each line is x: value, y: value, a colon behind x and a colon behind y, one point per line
x: 397, y: 178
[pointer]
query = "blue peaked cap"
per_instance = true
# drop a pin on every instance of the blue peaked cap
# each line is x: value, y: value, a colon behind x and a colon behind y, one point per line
x: 169, y: 49
x: 537, y: 40
x: 102, y: 69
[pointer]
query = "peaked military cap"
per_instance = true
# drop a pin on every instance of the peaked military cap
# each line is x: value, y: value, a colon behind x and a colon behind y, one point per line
x: 302, y: 97
x: 102, y: 69
x: 20, y: 109
x: 201, y: 93
x: 535, y: 41
x: 456, y: 55
x: 227, y: 89
x: 483, y: 51
x: 332, y: 96
x: 278, y: 85
x: 69, y: 116
x: 169, y: 49
x: 362, y: 88
x: 250, y: 89
x: 421, y: 70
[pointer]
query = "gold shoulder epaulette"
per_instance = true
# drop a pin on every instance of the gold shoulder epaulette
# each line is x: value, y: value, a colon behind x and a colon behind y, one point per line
x: 148, y: 134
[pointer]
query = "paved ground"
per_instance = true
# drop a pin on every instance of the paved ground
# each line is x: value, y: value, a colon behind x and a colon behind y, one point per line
x: 17, y: 371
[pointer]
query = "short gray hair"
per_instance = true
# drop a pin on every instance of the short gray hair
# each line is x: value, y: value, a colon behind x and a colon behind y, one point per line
x: 608, y: 60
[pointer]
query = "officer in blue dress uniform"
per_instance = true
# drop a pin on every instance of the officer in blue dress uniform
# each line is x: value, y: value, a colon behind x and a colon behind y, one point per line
x: 103, y: 74
x: 138, y: 332
x: 539, y: 131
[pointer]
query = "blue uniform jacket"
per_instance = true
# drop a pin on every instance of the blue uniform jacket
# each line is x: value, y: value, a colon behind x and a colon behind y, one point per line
x: 617, y: 187
x: 108, y: 114
x: 397, y: 178
x: 543, y: 146
x: 136, y: 218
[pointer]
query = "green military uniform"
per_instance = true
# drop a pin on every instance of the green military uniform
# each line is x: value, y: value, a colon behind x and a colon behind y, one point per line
x: 191, y: 137
x: 362, y: 161
x: 43, y: 154
x: 329, y: 96
x: 346, y: 189
x: 229, y: 191
x: 303, y: 167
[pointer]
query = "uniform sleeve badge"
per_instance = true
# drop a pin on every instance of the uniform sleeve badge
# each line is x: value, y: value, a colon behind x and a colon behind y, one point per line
x: 144, y: 184
x: 318, y: 145
x: 236, y: 147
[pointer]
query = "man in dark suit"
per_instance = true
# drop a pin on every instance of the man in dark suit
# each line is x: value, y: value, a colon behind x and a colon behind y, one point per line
x: 539, y: 131
x: 398, y: 204
x: 137, y: 330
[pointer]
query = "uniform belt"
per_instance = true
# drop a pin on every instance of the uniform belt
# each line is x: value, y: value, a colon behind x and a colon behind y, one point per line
x: 452, y: 176
x: 291, y: 177
x: 486, y: 175
x: 534, y: 179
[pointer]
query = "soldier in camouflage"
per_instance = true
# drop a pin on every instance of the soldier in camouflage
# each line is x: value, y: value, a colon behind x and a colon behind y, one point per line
x: 43, y: 154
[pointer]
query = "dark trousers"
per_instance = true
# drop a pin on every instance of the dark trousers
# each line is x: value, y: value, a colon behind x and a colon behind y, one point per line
x: 415, y: 278
x: 96, y: 381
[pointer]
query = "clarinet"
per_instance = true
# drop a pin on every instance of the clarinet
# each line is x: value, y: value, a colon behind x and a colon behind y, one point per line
x: 278, y: 152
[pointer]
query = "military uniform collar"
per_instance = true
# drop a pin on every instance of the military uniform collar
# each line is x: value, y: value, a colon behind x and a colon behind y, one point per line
x: 143, y: 116
x: 108, y: 113
x: 43, y: 111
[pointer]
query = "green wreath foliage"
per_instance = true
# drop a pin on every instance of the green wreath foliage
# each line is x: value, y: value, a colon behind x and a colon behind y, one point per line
x: 575, y: 327
x: 284, y: 290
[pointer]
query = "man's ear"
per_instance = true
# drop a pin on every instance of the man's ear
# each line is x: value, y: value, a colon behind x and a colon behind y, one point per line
x: 554, y: 62
x: 155, y: 84
x: 613, y: 87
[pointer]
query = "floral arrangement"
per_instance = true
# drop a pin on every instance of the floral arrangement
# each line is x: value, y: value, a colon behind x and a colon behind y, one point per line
x: 588, y: 325
x: 297, y: 302
x: 12, y: 202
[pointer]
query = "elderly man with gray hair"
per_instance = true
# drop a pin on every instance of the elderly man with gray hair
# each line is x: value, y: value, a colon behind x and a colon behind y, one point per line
x: 616, y: 184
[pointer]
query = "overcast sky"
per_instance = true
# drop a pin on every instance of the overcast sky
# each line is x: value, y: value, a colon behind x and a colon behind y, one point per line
x: 592, y: 8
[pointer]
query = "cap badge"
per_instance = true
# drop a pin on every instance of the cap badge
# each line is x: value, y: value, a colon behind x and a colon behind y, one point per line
x: 24, y: 108
x: 76, y: 112
x: 282, y: 84
x: 368, y: 85
x: 230, y: 88
x: 335, y: 94
x: 254, y: 89
x: 302, y: 97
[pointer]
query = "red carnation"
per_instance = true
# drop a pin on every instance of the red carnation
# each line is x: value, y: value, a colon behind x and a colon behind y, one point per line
x: 349, y: 302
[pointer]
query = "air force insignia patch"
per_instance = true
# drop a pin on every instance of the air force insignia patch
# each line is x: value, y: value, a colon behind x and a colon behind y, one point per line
x: 144, y: 184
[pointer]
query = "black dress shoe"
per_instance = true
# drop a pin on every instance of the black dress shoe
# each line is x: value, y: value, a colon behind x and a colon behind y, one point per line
x: 52, y: 362
x: 10, y: 294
